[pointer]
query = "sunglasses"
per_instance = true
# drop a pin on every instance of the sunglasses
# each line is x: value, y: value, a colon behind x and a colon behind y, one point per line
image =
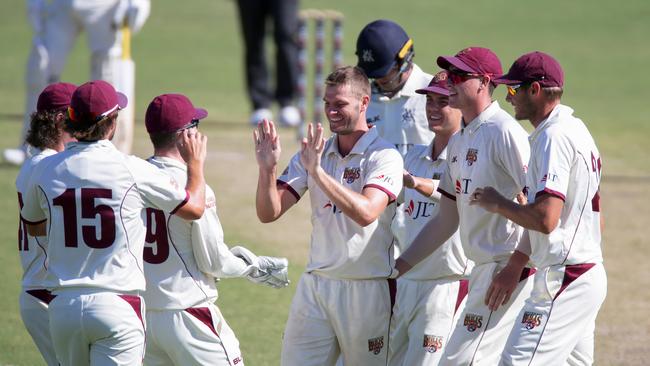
x: 512, y: 89
x: 455, y: 77
x: 193, y: 123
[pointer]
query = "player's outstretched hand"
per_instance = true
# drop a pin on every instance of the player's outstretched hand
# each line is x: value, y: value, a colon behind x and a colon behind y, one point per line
x: 193, y: 146
x: 409, y: 181
x: 270, y: 271
x: 312, y: 148
x: 267, y: 144
x: 502, y: 286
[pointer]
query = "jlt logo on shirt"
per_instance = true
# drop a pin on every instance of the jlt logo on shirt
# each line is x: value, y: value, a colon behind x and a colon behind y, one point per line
x: 462, y: 186
x: 432, y: 343
x: 351, y: 174
x: 423, y: 209
x: 549, y: 176
x: 332, y: 206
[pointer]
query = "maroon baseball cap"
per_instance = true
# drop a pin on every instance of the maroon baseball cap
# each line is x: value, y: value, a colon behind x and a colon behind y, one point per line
x: 437, y: 85
x: 95, y: 100
x: 55, y: 96
x: 534, y: 66
x: 171, y: 112
x: 477, y: 60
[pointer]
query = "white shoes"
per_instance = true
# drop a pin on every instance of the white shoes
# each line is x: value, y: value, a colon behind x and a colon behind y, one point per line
x: 260, y: 114
x: 290, y: 116
x: 14, y: 156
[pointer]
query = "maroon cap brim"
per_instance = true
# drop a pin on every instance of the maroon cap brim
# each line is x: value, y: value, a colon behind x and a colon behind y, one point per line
x: 433, y: 89
x: 122, y: 100
x: 200, y: 113
x: 506, y: 80
x: 445, y: 61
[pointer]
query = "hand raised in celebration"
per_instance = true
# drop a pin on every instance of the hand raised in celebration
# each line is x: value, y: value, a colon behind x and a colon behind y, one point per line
x: 267, y: 145
x: 192, y: 145
x: 312, y: 148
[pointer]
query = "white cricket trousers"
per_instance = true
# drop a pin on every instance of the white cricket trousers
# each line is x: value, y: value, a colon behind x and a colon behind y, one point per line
x: 329, y: 317
x: 480, y: 335
x: 97, y: 329
x: 556, y: 325
x: 34, y: 312
x: 423, y: 317
x: 194, y: 336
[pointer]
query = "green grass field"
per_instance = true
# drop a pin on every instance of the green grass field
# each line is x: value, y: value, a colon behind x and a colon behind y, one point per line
x: 195, y: 49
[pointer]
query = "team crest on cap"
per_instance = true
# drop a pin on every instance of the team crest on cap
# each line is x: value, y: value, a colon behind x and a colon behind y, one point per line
x: 473, y: 322
x: 375, y: 345
x: 464, y: 51
x: 367, y: 56
x: 440, y: 76
x: 351, y: 174
x: 471, y: 157
x: 432, y: 343
x: 531, y: 319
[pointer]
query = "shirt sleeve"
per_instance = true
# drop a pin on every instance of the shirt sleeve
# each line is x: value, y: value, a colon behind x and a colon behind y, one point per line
x: 384, y: 172
x: 32, y: 201
x: 158, y: 188
x: 553, y: 157
x: 294, y: 177
x: 212, y: 255
x: 513, y: 152
x: 447, y: 187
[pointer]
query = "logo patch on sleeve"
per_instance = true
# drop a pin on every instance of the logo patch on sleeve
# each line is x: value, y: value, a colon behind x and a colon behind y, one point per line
x: 432, y: 343
x: 531, y: 319
x: 375, y: 345
x: 473, y: 322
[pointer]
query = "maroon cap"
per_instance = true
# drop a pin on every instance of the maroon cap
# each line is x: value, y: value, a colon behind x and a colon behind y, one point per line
x: 477, y: 60
x: 171, y: 112
x: 534, y: 66
x: 437, y: 85
x: 94, y: 100
x: 55, y: 96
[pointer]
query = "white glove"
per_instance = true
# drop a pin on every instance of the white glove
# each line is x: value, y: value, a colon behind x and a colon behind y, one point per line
x: 132, y: 13
x: 36, y: 15
x: 271, y: 271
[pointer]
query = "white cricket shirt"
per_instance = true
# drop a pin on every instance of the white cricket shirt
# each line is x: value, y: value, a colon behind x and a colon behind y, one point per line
x: 94, y: 199
x: 449, y: 260
x: 402, y: 119
x: 492, y: 150
x: 181, y: 257
x: 565, y: 163
x: 32, y: 250
x: 341, y: 248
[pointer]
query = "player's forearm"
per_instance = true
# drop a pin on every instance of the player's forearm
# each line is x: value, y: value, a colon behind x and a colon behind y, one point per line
x: 354, y: 205
x: 531, y: 216
x: 195, y: 187
x: 435, y: 233
x: 39, y: 229
x: 267, y: 198
x: 427, y: 187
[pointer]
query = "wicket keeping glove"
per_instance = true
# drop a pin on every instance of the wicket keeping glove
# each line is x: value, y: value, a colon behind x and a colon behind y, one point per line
x: 270, y: 271
x: 132, y: 13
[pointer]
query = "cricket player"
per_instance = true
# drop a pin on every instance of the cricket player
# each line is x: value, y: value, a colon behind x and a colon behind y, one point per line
x: 182, y: 259
x: 385, y: 52
x: 343, y: 301
x: 46, y: 135
x: 430, y: 295
x: 562, y: 218
x: 90, y: 200
x: 490, y: 149
x: 55, y: 26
